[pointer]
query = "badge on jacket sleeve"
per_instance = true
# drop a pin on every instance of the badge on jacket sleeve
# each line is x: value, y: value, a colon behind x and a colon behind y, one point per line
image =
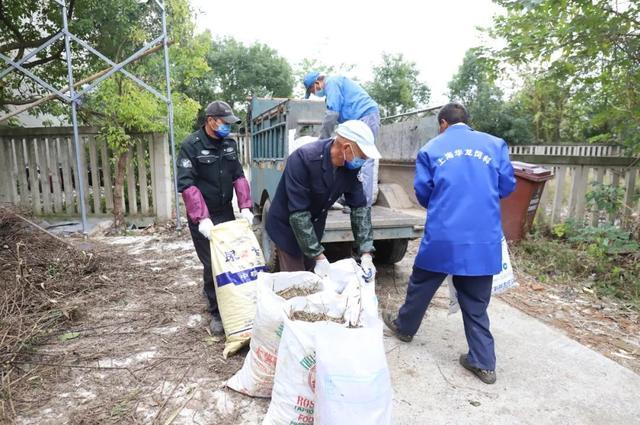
x: 185, y: 163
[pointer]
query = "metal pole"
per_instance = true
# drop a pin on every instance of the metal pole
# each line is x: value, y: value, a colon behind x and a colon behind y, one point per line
x: 118, y: 67
x: 121, y: 65
x: 33, y: 77
x: 74, y: 119
x: 79, y: 83
x: 418, y: 111
x: 165, y: 42
x: 32, y: 54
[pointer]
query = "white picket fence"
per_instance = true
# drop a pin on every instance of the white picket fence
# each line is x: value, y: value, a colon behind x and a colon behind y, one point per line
x: 569, y: 150
x: 244, y: 147
x: 38, y: 171
x: 575, y: 170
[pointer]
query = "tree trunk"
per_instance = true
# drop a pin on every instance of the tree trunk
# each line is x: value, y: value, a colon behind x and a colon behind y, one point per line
x: 118, y: 194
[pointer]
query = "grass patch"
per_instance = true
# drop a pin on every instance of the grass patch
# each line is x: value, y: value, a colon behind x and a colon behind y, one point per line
x: 605, y: 260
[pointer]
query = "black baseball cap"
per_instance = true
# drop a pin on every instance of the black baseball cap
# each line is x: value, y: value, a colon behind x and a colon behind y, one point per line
x: 222, y: 110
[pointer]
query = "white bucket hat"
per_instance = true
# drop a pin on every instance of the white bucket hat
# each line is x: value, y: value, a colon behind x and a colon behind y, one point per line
x: 360, y: 133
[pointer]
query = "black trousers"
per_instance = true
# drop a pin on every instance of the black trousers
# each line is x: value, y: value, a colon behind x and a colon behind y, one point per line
x: 474, y: 294
x: 203, y: 249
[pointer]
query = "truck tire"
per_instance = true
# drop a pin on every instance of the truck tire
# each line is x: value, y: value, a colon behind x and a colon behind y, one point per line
x: 267, y: 245
x: 390, y: 251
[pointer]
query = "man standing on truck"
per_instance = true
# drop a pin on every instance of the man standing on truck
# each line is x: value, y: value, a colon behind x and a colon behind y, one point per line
x: 461, y: 175
x: 315, y: 176
x: 345, y: 100
x: 208, y: 172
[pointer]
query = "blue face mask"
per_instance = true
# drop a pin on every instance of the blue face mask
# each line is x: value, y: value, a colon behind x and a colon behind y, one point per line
x: 320, y: 93
x: 355, y: 163
x: 223, y: 130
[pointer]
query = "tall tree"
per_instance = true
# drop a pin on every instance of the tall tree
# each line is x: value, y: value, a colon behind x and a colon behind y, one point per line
x: 546, y: 102
x: 25, y: 25
x: 119, y: 106
x: 475, y: 86
x: 239, y: 71
x: 475, y: 78
x: 590, y: 46
x: 396, y: 85
x: 313, y: 64
x: 117, y: 29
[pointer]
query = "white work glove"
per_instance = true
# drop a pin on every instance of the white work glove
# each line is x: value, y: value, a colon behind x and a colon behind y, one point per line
x: 322, y: 268
x: 366, y: 262
x: 205, y: 227
x: 247, y: 215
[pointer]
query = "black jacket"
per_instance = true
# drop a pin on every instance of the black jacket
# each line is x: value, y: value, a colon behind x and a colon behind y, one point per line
x: 310, y: 183
x: 212, y: 166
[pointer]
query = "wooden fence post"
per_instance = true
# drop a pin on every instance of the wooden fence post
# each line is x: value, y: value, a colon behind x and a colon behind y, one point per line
x: 54, y: 170
x: 5, y: 171
x: 142, y: 177
x: 581, y: 200
x: 95, y: 175
x: 559, y: 195
x: 149, y: 143
x: 132, y: 196
x: 162, y: 170
x: 575, y: 177
x: 615, y: 181
x: 67, y: 177
x: 629, y: 196
x: 34, y: 183
x: 595, y: 219
x: 43, y: 172
x: 105, y: 162
x: 84, y: 172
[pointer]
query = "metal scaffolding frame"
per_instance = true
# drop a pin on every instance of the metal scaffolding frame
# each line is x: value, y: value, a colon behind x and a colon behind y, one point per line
x: 73, y: 98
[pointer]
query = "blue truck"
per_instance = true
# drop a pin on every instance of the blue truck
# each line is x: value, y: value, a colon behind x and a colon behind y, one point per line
x: 273, y: 124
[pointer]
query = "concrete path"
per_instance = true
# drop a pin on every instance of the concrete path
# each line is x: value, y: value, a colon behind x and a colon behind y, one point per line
x: 544, y: 377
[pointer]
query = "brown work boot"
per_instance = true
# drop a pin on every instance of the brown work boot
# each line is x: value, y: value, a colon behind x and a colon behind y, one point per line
x: 390, y: 321
x: 486, y: 376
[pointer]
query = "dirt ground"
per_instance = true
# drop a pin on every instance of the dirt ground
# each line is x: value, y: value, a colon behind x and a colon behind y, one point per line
x: 603, y: 325
x: 138, y: 348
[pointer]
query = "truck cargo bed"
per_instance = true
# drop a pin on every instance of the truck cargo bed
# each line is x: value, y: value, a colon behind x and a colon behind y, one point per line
x: 387, y: 223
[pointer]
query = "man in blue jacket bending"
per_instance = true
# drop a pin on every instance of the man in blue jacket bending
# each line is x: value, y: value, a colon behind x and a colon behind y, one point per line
x: 461, y: 175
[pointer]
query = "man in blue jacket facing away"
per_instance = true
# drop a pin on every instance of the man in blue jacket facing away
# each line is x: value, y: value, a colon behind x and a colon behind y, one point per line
x: 461, y: 175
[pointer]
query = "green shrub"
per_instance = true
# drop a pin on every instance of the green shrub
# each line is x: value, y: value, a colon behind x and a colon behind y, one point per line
x: 605, y: 258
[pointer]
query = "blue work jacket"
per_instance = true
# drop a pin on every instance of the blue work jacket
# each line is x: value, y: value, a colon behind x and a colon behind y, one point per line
x: 348, y: 99
x: 311, y: 183
x: 461, y: 175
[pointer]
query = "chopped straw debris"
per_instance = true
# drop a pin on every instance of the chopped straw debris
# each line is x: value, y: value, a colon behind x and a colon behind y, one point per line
x: 305, y: 316
x: 297, y: 291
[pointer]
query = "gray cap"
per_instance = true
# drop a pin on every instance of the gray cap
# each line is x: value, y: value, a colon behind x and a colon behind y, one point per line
x: 222, y: 110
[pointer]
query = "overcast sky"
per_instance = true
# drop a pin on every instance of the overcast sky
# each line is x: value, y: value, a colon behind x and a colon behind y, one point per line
x: 433, y: 34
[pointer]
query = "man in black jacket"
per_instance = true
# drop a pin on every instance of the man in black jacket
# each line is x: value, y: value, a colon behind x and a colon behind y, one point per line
x: 208, y: 172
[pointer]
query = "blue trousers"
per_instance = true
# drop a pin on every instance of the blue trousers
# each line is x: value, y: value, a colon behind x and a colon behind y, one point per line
x: 367, y: 170
x: 474, y: 293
